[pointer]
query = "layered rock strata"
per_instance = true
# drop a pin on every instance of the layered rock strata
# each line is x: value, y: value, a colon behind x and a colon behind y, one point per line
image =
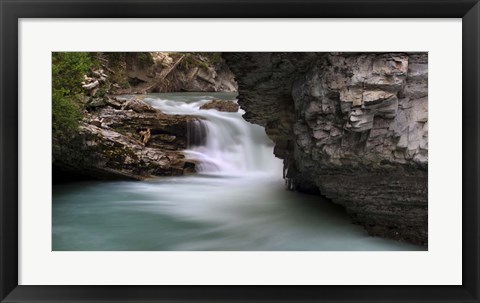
x: 125, y: 139
x: 350, y: 126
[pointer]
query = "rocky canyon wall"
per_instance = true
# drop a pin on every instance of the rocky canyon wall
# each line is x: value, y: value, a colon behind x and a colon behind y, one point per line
x: 174, y: 72
x: 350, y: 126
x: 123, y: 139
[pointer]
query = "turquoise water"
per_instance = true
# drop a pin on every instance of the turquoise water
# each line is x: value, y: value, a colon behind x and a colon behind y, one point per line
x: 236, y: 203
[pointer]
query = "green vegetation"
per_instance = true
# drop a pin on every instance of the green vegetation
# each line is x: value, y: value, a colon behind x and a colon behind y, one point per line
x: 68, y: 69
x: 144, y: 59
x: 118, y: 62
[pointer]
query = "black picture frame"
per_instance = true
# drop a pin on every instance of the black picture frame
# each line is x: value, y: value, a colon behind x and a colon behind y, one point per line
x: 13, y: 10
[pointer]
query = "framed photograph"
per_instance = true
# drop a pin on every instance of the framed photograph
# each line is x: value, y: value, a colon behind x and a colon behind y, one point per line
x: 239, y: 151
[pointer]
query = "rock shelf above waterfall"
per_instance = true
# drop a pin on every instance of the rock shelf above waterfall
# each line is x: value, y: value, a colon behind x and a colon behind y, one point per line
x: 125, y: 139
x: 222, y: 105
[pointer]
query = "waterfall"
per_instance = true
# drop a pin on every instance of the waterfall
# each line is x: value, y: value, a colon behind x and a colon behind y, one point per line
x: 236, y: 202
x: 222, y: 142
x: 196, y: 133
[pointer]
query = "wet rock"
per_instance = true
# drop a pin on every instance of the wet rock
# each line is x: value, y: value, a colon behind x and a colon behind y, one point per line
x: 109, y: 144
x: 114, y: 102
x: 138, y: 106
x: 222, y: 105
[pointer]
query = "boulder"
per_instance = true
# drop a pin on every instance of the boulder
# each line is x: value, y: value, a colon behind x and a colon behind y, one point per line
x: 138, y: 106
x: 222, y: 105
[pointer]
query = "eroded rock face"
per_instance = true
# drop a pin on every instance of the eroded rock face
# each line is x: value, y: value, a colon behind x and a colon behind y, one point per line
x: 174, y: 72
x: 126, y: 140
x: 265, y: 85
x: 351, y: 126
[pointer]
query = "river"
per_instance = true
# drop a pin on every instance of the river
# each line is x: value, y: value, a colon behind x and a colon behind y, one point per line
x: 237, y: 201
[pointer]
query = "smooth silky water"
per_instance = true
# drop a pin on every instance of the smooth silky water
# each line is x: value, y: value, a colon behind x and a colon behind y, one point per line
x: 237, y: 201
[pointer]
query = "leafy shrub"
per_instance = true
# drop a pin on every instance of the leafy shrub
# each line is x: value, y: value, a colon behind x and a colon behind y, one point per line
x: 68, y: 69
x: 144, y: 59
x: 66, y: 113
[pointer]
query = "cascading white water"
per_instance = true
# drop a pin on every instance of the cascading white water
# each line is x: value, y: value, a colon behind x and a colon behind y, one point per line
x: 237, y: 201
x: 222, y: 142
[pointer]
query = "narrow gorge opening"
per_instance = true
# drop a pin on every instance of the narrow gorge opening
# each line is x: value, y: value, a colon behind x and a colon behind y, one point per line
x: 211, y: 180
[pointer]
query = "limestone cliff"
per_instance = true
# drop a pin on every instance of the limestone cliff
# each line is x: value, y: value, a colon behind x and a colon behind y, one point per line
x: 351, y: 126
